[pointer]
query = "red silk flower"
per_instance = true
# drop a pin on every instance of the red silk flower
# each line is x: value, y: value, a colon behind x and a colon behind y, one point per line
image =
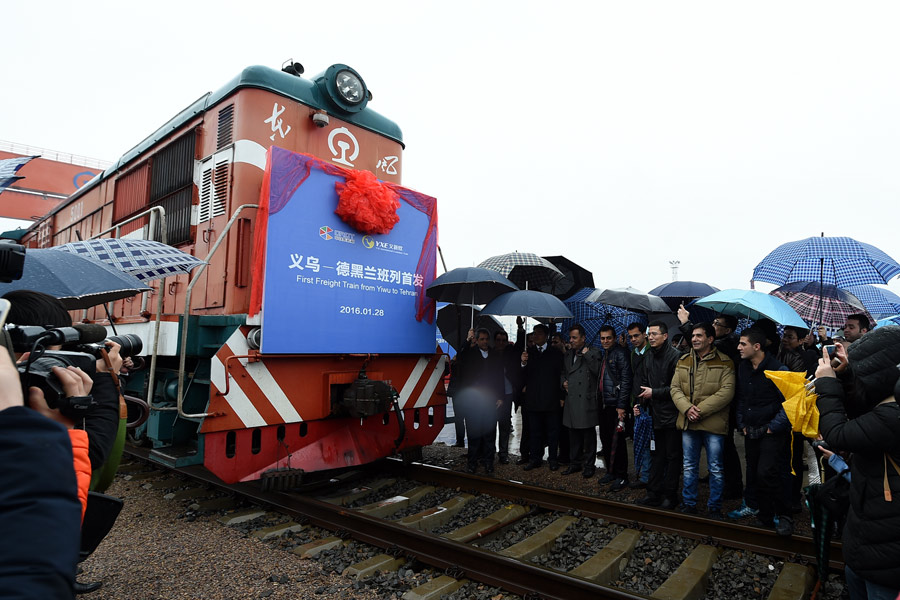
x: 366, y: 204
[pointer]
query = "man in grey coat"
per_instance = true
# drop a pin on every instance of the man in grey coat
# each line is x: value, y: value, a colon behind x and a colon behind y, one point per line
x: 581, y: 411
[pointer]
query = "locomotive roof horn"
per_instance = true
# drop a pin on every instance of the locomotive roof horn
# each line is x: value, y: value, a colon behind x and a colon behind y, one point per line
x: 292, y: 68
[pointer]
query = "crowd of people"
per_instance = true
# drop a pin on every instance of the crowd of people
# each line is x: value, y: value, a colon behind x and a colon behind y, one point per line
x: 678, y: 402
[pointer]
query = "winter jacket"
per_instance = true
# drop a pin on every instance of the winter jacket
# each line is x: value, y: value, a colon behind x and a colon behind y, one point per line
x: 759, y: 402
x: 637, y: 367
x: 708, y: 384
x: 617, y: 377
x: 102, y: 420
x: 581, y: 371
x: 659, y: 369
x: 542, y: 376
x: 39, y: 512
x: 82, y: 464
x: 872, y: 534
x: 484, y: 374
x: 792, y: 359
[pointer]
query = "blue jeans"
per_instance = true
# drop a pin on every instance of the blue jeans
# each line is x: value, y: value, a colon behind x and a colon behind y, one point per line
x: 860, y: 589
x: 691, y: 442
x: 644, y: 474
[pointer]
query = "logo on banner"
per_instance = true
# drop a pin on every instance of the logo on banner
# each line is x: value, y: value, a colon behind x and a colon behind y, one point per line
x: 327, y: 233
x: 368, y: 242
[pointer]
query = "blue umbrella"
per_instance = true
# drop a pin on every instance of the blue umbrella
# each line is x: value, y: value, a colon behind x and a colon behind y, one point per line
x: 683, y: 289
x: 878, y: 301
x: 895, y: 320
x: 839, y: 261
x: 469, y: 285
x: 753, y: 305
x: 528, y: 303
x: 77, y: 281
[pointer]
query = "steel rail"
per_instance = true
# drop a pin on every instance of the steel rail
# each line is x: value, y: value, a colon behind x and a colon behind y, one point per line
x: 460, y: 560
x: 755, y: 539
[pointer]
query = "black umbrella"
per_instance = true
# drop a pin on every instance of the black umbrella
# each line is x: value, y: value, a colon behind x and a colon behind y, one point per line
x: 676, y: 293
x: 77, y: 281
x: 631, y: 299
x: 528, y: 303
x: 469, y: 285
x: 449, y: 318
x: 575, y: 277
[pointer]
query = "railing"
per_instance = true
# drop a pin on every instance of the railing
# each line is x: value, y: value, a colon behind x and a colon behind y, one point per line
x: 63, y: 157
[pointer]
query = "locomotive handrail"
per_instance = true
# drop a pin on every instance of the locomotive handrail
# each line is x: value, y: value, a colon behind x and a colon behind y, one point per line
x: 160, y: 212
x: 187, y: 307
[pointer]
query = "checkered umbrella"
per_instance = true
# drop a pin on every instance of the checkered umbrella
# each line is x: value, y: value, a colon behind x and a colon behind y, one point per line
x: 144, y: 259
x: 643, y: 433
x: 524, y: 269
x: 592, y: 316
x: 878, y: 301
x: 833, y: 304
x: 839, y: 261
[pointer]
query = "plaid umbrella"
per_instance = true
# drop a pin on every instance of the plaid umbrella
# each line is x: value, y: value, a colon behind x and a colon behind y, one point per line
x: 839, y: 261
x: 8, y: 169
x: 833, y: 304
x: 524, y: 269
x: 878, y: 301
x: 144, y: 259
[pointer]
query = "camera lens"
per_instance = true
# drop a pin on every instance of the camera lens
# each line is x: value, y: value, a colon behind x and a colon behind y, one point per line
x: 130, y: 344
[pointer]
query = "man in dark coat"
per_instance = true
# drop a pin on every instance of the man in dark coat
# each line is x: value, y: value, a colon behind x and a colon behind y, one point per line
x: 542, y: 374
x: 615, y: 386
x: 640, y: 349
x: 767, y: 432
x: 655, y: 396
x: 872, y: 534
x: 481, y: 387
x: 581, y: 411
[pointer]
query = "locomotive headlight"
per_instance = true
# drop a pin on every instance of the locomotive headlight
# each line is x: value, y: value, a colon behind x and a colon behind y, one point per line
x: 349, y: 87
x: 344, y: 88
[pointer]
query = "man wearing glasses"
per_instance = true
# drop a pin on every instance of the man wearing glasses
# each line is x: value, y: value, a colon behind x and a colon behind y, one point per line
x: 654, y: 395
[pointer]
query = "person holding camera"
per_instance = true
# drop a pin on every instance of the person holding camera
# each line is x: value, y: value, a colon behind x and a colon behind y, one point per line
x: 40, y: 514
x: 101, y: 419
x: 872, y: 534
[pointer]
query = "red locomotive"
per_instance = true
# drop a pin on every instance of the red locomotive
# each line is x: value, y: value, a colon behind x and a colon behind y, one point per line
x: 254, y: 396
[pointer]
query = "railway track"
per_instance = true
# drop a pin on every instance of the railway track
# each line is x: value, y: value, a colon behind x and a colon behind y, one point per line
x: 485, y: 551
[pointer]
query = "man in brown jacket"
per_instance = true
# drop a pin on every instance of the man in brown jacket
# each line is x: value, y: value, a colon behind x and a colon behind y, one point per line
x: 702, y: 389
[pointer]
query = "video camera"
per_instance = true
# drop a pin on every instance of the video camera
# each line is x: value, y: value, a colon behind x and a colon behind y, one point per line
x: 12, y: 261
x: 85, y: 343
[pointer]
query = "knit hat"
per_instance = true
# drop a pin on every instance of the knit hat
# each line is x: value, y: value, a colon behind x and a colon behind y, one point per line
x: 874, y: 359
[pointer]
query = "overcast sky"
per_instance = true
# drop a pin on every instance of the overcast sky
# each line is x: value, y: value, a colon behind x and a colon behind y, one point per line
x: 622, y: 135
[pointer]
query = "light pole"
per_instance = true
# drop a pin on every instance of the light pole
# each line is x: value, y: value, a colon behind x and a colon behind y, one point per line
x: 674, y: 264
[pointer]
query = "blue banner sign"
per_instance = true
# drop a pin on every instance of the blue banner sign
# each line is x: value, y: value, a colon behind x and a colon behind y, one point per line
x: 331, y: 289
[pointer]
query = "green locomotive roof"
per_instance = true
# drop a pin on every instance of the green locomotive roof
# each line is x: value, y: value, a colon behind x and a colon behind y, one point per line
x: 304, y: 91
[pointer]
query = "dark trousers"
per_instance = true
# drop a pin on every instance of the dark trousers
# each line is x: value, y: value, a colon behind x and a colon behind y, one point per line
x: 563, y: 452
x: 543, y: 430
x: 481, y: 449
x: 798, y: 452
x: 504, y: 425
x: 459, y: 420
x: 665, y: 465
x: 731, y: 464
x: 618, y: 464
x: 583, y: 447
x: 525, y: 436
x: 768, y: 464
